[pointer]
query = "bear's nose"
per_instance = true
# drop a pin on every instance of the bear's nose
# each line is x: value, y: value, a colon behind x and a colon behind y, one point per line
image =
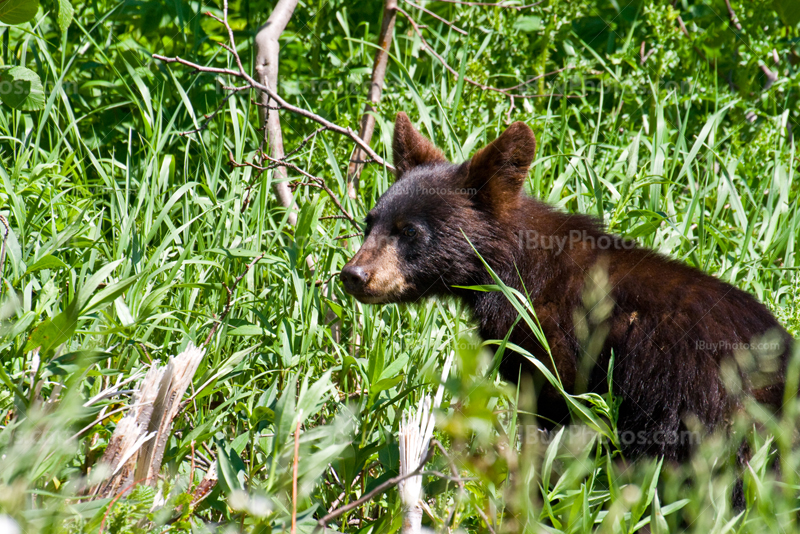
x: 354, y: 278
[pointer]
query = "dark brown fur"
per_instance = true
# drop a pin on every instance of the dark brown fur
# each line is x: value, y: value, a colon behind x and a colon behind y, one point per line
x: 671, y: 327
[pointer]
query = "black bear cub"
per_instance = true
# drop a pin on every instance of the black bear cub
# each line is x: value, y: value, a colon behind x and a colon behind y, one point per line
x: 679, y: 337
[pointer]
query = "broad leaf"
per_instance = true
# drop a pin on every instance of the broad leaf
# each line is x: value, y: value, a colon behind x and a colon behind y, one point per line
x: 21, y: 88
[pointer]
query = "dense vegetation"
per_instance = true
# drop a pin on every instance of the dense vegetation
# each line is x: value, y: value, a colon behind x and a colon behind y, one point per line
x: 666, y: 120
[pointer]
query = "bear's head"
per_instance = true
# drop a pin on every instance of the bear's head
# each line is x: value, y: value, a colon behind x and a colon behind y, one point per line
x: 415, y: 243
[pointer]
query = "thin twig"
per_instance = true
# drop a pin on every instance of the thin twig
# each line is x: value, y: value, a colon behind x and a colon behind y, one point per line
x: 317, y: 182
x: 322, y: 523
x: 114, y: 501
x: 348, y: 236
x: 732, y: 15
x: 437, y: 17
x: 379, y: 68
x: 228, y: 303
x: 283, y: 104
x: 210, y: 116
x: 503, y: 91
x: 458, y: 480
x: 4, y: 221
x: 294, y: 474
x: 490, y: 4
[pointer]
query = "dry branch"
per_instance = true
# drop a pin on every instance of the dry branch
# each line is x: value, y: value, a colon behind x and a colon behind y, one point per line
x: 507, y: 91
x: 282, y: 104
x: 7, y: 230
x: 228, y: 300
x: 502, y: 4
x: 266, y: 70
x: 732, y: 14
x: 136, y: 447
x: 374, y: 96
x: 322, y: 523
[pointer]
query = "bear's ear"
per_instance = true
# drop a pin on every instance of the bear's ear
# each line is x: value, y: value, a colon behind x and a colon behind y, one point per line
x: 498, y: 171
x: 411, y: 148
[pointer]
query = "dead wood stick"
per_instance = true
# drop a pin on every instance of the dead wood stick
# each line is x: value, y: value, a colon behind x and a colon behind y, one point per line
x: 732, y: 15
x: 266, y: 72
x: 490, y: 4
x: 294, y: 474
x: 322, y: 523
x: 374, y: 95
x: 504, y: 91
x: 228, y: 301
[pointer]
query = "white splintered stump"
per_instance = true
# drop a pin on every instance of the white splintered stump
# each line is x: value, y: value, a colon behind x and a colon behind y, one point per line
x: 136, y: 448
x: 415, y: 435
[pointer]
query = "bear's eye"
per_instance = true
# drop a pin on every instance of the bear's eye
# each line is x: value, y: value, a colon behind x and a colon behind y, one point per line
x: 409, y: 231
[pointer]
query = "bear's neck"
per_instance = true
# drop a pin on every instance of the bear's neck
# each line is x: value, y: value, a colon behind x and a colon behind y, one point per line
x: 538, y: 251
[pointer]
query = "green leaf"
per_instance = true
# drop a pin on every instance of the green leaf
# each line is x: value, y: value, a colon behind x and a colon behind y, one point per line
x: 21, y: 88
x: 528, y: 24
x: 231, y: 475
x: 48, y: 261
x: 65, y: 14
x: 52, y: 332
x: 18, y: 11
x: 788, y: 11
x: 658, y: 524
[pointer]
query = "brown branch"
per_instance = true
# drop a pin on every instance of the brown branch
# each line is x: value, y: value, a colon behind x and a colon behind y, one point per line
x: 458, y: 480
x: 228, y: 303
x: 114, y: 501
x: 686, y: 33
x: 294, y: 476
x: 490, y: 4
x: 210, y: 116
x: 732, y: 15
x: 322, y: 523
x: 348, y: 236
x: 266, y: 70
x: 504, y: 91
x: 374, y: 95
x: 4, y: 222
x: 437, y: 17
x: 315, y: 180
x: 282, y: 104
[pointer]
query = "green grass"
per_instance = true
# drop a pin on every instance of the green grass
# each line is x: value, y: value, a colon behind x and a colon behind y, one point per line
x: 100, y: 181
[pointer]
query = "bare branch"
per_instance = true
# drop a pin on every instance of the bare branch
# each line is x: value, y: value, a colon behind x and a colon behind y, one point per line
x: 322, y: 523
x: 228, y: 301
x: 282, y: 104
x: 437, y: 17
x: 374, y: 96
x: 504, y: 91
x: 7, y: 231
x: 315, y: 180
x: 732, y: 15
x: 266, y: 68
x: 502, y: 4
x: 458, y: 480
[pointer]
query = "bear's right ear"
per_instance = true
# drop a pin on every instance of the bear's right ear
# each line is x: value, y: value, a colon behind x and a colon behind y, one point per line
x: 498, y: 171
x: 411, y: 148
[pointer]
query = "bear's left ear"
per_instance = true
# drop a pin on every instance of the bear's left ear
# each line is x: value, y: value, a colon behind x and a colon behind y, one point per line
x: 498, y: 171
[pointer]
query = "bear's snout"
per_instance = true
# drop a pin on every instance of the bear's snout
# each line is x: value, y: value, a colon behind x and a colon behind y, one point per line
x: 354, y: 278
